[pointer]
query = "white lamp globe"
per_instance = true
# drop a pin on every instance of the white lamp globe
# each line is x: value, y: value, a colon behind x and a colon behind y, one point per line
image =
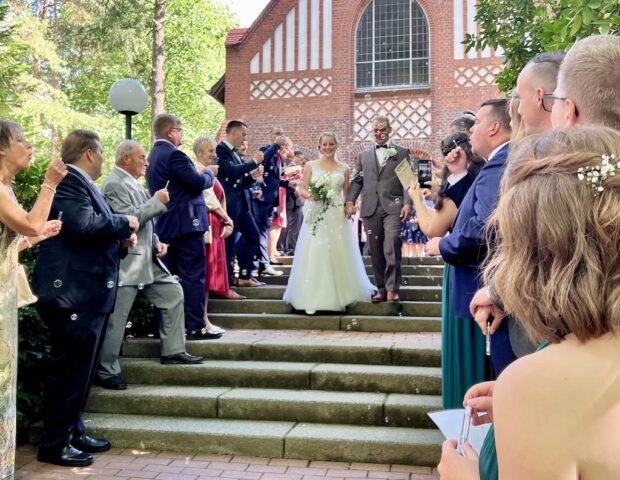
x: 128, y: 96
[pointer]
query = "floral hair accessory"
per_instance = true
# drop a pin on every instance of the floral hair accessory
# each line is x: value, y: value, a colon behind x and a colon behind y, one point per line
x: 597, y: 175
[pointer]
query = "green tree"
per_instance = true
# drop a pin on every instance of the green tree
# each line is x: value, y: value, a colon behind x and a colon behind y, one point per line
x: 525, y: 28
x: 58, y: 61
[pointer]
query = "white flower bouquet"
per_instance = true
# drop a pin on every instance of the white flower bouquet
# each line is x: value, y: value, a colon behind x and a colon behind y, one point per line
x: 323, y: 191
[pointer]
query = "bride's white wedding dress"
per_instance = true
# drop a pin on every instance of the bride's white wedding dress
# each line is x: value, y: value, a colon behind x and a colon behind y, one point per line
x: 328, y: 272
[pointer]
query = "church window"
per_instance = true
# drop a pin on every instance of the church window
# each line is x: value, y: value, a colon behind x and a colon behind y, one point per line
x: 392, y: 46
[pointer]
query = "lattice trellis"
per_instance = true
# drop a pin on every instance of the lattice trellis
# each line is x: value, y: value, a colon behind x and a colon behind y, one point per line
x: 476, y: 76
x: 410, y: 118
x: 291, y: 88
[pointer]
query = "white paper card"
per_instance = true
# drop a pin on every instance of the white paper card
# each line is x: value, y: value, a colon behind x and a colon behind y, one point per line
x: 450, y: 421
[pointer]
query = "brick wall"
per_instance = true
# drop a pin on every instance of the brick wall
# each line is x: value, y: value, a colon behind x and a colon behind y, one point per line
x: 305, y: 118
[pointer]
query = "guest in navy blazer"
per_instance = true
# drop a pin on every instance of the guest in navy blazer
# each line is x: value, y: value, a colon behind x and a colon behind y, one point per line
x: 184, y: 224
x: 269, y: 197
x: 75, y: 277
x: 236, y: 177
x: 465, y: 248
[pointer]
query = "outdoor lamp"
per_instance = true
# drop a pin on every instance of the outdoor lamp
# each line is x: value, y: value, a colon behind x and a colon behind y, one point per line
x: 128, y: 97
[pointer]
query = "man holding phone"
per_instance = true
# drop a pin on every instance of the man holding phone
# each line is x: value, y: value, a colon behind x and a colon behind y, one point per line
x: 385, y: 206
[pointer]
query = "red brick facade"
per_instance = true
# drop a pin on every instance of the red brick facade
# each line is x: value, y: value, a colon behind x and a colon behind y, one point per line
x: 306, y: 102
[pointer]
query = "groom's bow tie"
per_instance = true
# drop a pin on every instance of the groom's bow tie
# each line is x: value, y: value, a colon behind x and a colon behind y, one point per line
x: 380, y: 146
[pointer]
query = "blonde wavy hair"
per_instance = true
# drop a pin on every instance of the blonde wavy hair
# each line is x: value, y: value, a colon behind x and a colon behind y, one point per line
x: 556, y: 260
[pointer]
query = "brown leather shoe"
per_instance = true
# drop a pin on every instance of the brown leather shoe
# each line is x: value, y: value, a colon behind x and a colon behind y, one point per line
x: 393, y: 297
x: 232, y: 295
x: 379, y: 297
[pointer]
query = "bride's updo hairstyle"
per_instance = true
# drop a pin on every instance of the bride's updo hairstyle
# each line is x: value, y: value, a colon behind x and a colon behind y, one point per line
x: 557, y: 235
x: 327, y: 134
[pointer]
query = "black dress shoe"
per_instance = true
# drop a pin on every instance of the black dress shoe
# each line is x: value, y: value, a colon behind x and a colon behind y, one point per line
x: 111, y: 383
x: 90, y: 444
x: 201, y: 334
x: 183, y: 358
x: 67, y: 456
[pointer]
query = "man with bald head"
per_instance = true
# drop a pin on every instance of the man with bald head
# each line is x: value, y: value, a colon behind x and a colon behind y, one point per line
x: 538, y: 77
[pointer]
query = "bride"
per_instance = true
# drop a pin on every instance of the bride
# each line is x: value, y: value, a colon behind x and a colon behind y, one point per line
x: 328, y: 272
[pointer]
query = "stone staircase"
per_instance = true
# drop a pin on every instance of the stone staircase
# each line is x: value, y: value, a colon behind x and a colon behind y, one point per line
x: 353, y: 386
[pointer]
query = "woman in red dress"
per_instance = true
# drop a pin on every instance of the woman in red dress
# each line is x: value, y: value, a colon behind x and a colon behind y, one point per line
x: 220, y: 227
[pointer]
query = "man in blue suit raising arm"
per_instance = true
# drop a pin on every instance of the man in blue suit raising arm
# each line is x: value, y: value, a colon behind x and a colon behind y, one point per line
x: 465, y: 248
x: 236, y: 178
x: 183, y: 225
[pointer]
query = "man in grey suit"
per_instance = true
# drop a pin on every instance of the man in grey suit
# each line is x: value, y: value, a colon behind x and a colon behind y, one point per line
x: 141, y: 270
x: 385, y: 205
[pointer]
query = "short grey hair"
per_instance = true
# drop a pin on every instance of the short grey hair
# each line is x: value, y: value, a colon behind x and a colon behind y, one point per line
x: 382, y: 118
x: 124, y: 148
x: 200, y: 142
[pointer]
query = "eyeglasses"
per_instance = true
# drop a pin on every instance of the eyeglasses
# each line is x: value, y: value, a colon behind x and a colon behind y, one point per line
x: 550, y: 96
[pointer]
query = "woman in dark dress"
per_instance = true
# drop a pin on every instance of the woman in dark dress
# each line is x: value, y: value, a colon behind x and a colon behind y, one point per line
x: 463, y: 345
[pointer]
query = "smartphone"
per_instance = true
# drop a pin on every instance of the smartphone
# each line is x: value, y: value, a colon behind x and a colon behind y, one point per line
x: 425, y: 173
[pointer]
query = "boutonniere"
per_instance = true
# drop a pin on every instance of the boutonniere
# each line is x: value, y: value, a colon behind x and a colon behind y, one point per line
x: 392, y: 151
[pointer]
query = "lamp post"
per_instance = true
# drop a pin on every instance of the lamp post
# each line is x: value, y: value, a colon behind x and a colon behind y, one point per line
x: 128, y: 97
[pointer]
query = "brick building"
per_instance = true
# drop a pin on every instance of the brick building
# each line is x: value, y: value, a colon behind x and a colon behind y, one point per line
x: 331, y: 65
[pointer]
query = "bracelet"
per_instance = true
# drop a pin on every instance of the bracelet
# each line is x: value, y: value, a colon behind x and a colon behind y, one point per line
x: 49, y: 187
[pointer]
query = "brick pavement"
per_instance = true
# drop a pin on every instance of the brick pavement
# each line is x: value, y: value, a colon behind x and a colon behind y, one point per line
x: 133, y: 464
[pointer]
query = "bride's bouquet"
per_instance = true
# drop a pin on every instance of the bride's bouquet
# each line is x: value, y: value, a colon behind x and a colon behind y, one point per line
x: 323, y: 190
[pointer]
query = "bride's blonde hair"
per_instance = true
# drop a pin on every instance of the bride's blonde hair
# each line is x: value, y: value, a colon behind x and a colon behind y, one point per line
x: 327, y: 134
x: 556, y: 261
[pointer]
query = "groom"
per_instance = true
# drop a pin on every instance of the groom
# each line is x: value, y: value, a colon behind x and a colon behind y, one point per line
x: 385, y: 206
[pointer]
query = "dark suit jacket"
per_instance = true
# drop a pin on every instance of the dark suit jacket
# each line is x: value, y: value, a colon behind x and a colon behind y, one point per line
x: 272, y: 176
x: 465, y: 248
x: 234, y: 175
x: 379, y: 185
x: 187, y: 212
x: 78, y: 269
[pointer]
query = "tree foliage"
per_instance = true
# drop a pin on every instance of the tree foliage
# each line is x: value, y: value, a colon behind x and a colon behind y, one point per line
x: 525, y: 28
x: 58, y: 60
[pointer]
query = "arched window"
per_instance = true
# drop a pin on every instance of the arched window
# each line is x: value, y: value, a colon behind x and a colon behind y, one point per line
x: 392, y: 46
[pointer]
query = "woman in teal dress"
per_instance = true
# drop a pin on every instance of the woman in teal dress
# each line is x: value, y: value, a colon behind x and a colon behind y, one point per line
x: 18, y: 230
x: 556, y: 412
x: 462, y: 348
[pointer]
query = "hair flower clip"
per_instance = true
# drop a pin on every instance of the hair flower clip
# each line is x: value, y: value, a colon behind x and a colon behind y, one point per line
x: 595, y: 176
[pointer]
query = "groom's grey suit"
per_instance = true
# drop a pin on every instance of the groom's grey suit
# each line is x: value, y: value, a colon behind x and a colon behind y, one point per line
x: 383, y: 197
x: 142, y: 271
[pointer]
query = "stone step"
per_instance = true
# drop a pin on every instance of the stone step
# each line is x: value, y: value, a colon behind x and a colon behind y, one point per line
x: 301, y: 350
x: 275, y: 292
x: 405, y: 260
x: 353, y: 408
x: 407, y: 280
x: 406, y: 308
x: 352, y: 323
x: 406, y: 270
x: 287, y: 375
x: 269, y: 438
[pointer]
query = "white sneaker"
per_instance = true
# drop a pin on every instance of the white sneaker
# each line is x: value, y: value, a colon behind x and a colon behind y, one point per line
x: 272, y: 272
x: 215, y: 329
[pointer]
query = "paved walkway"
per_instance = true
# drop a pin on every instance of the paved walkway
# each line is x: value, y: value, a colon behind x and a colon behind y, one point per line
x: 133, y: 464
